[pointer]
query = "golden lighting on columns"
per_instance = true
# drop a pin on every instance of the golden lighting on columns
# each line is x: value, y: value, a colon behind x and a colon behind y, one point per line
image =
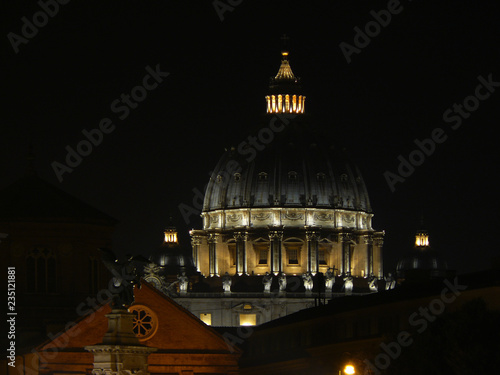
x: 283, y: 103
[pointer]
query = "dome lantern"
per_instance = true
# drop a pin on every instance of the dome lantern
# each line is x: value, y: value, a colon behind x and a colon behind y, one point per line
x: 285, y: 89
x: 170, y: 235
x: 422, y: 239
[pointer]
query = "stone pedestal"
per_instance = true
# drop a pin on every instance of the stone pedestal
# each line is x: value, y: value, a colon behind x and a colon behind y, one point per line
x: 120, y: 328
x: 120, y: 352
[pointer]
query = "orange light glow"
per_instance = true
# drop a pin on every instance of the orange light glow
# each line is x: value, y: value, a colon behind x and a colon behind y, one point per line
x: 422, y: 239
x: 349, y: 369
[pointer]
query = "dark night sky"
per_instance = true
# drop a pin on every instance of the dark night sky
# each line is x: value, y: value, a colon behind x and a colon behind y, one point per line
x: 394, y: 91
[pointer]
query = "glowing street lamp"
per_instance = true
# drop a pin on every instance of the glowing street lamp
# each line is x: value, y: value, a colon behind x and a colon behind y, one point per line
x: 349, y: 369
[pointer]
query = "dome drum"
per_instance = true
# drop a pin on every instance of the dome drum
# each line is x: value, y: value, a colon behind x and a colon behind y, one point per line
x: 294, y: 251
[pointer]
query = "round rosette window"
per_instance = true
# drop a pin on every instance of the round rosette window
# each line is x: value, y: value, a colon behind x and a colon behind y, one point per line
x: 145, y: 322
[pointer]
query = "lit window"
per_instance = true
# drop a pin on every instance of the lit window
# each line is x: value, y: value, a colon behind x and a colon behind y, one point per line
x: 248, y: 319
x: 206, y: 318
x: 262, y: 176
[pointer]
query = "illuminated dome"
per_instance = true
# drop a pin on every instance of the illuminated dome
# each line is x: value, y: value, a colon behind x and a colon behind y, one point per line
x: 422, y: 262
x: 286, y: 201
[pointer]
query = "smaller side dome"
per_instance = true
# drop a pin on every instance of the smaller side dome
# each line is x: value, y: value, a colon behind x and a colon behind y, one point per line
x: 422, y: 263
x: 172, y: 258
